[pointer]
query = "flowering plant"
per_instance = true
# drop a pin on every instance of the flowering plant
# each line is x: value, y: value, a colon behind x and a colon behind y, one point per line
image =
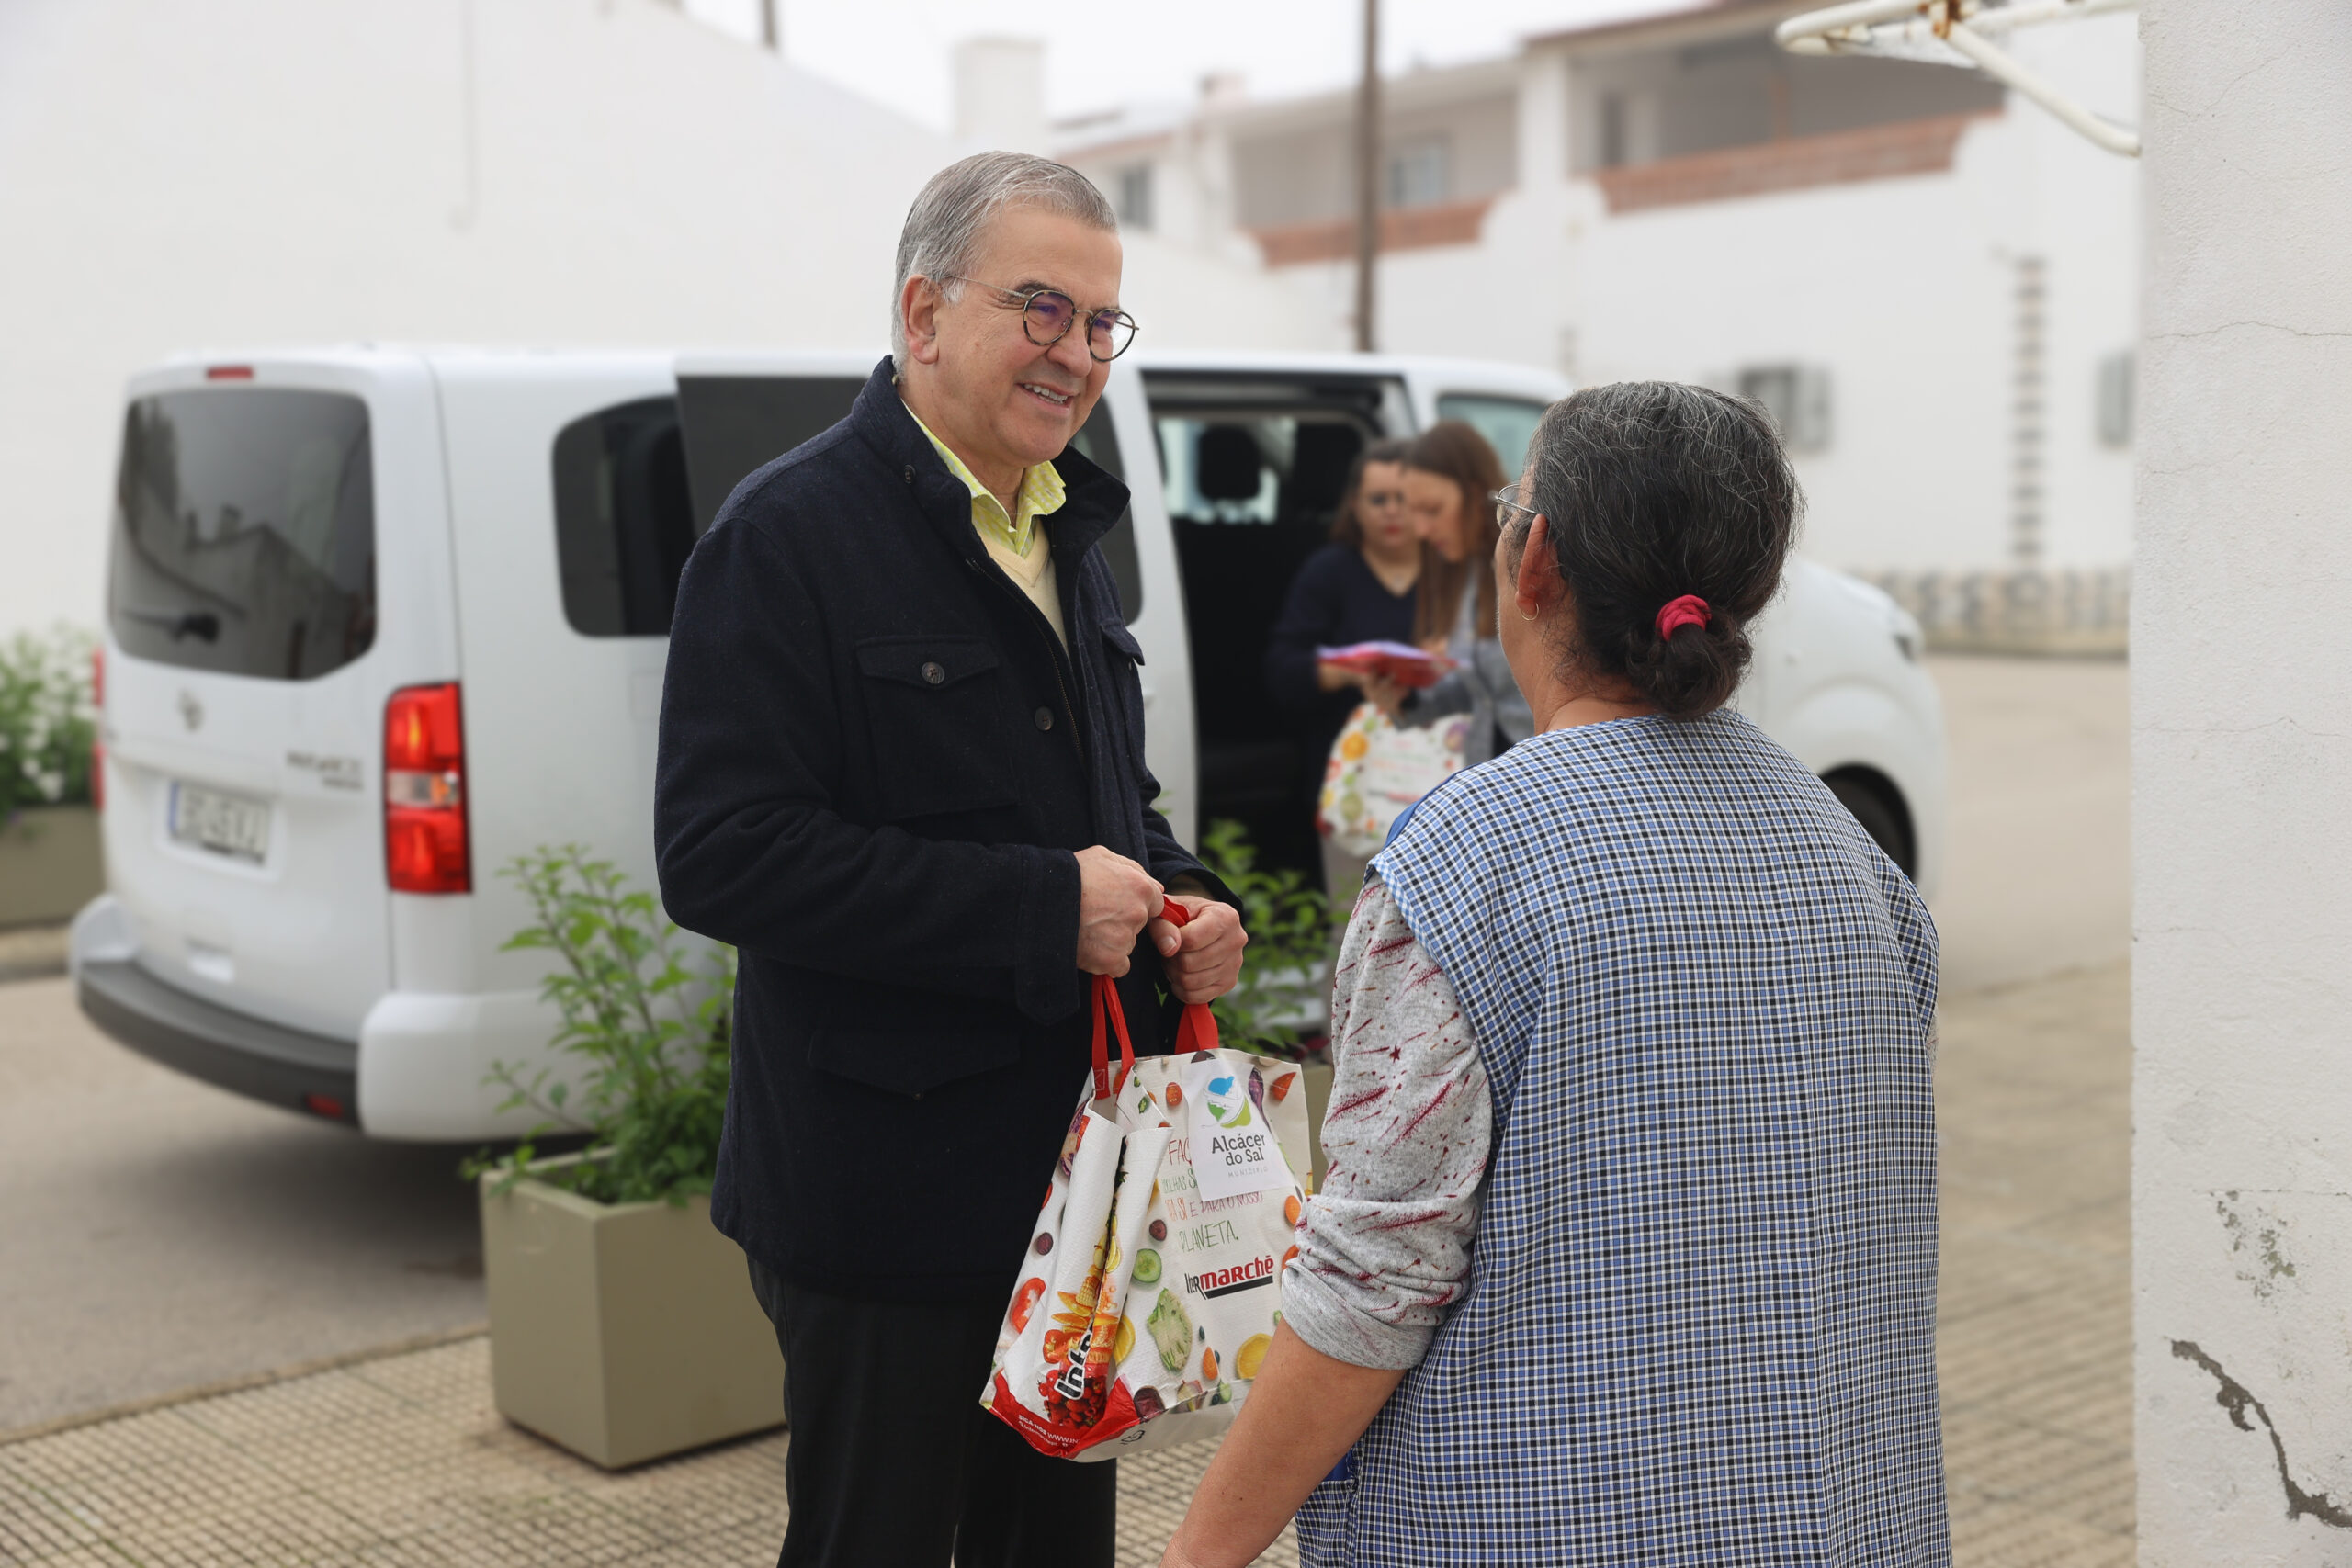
x: 48, y: 720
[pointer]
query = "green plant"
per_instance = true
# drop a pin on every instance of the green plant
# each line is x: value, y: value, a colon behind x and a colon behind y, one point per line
x: 1285, y: 971
x: 47, y: 720
x: 649, y: 1026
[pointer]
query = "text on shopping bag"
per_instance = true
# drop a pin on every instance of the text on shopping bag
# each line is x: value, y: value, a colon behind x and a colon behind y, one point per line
x: 1229, y: 1141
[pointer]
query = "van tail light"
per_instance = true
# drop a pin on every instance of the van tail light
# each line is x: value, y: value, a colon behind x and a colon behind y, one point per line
x: 98, y: 740
x: 424, y: 791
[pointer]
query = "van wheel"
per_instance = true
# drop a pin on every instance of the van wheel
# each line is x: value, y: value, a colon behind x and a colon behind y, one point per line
x: 1877, y: 808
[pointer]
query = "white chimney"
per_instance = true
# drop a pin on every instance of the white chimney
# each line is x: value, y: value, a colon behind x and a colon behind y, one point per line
x: 1224, y: 90
x: 1000, y: 93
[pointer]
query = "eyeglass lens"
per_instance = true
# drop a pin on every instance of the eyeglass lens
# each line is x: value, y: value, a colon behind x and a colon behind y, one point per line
x: 1050, y: 316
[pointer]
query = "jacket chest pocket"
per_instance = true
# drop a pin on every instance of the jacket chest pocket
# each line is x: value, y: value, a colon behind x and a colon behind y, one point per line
x: 939, y: 713
x: 1124, y: 668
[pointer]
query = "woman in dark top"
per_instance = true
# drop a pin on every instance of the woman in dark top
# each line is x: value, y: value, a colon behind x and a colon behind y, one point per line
x: 1358, y: 588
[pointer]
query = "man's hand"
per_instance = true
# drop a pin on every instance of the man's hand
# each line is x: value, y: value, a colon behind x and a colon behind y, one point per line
x: 1203, y: 959
x: 1116, y: 897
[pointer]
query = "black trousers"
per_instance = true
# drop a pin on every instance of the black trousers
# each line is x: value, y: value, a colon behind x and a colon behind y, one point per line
x: 894, y: 1464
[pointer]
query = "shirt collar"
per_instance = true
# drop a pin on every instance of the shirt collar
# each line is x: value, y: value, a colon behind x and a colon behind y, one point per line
x: 1042, y: 492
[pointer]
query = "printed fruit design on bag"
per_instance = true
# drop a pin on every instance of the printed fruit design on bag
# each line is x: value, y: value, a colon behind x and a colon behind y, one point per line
x: 1025, y: 1302
x: 1071, y: 1396
x: 1172, y: 1330
x: 1148, y: 1288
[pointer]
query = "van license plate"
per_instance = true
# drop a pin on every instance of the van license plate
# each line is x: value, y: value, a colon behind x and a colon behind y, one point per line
x: 224, y: 824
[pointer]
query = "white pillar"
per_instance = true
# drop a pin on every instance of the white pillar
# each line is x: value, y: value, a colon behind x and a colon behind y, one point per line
x: 2242, y: 764
x: 1543, y: 119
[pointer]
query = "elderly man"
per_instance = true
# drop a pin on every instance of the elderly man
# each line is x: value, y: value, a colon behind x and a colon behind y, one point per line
x: 902, y: 771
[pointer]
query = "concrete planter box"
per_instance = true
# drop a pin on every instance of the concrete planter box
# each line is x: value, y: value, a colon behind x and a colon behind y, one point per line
x: 51, y: 865
x: 622, y: 1332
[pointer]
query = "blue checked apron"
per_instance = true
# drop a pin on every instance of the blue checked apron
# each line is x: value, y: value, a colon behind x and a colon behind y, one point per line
x: 1700, y: 1325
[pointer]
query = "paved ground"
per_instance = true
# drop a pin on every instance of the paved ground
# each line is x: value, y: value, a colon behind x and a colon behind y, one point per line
x: 2038, y: 879
x: 160, y: 1234
x: 163, y: 1235
x: 403, y: 1461
x: 2033, y: 1096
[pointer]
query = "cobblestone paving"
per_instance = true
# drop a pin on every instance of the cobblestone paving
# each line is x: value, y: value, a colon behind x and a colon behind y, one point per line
x: 2033, y: 1093
x: 401, y: 1462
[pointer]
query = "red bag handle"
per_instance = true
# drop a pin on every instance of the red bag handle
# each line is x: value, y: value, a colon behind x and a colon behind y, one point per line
x: 1195, y: 1032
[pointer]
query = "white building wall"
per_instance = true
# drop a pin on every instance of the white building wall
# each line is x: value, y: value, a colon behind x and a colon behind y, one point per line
x: 254, y: 172
x: 1893, y: 287
x: 563, y: 171
x: 2242, y: 773
x: 2084, y: 218
x: 1906, y: 290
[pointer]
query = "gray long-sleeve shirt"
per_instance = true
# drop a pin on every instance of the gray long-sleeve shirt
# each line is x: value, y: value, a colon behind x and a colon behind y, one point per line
x: 1480, y: 684
x: 1384, y: 1245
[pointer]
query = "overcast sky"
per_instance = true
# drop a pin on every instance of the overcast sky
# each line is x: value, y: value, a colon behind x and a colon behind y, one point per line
x: 1101, y: 53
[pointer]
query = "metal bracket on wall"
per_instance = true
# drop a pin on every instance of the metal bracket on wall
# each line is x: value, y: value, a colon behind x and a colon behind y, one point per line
x: 1961, y: 32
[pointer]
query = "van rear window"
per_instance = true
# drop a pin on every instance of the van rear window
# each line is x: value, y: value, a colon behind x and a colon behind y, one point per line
x: 244, y: 532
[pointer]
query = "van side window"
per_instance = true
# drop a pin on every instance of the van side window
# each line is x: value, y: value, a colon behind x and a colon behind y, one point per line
x: 737, y: 425
x: 623, y: 527
x: 1507, y: 423
x: 244, y: 532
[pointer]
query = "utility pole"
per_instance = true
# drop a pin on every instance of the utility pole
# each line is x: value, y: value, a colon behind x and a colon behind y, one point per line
x: 1368, y: 177
x: 771, y: 34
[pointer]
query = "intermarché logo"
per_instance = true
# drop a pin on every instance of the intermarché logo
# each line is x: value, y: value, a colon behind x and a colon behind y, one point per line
x: 1225, y: 1281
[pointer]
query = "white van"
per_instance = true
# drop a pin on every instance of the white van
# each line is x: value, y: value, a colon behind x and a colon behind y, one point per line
x: 380, y: 621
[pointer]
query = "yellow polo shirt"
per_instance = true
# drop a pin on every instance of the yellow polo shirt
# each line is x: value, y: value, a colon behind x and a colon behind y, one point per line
x: 1012, y: 540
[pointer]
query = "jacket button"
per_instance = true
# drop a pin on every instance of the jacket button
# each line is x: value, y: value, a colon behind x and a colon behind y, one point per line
x: 1044, y: 718
x: 931, y: 671
x: 911, y: 473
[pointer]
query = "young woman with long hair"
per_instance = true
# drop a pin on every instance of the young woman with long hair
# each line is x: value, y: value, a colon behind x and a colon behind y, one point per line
x: 1450, y: 472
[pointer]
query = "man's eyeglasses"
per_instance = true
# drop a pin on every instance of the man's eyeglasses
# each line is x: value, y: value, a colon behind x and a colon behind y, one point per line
x: 1506, y: 501
x: 1048, y: 314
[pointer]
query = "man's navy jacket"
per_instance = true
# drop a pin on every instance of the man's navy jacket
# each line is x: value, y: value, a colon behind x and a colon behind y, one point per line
x: 876, y: 764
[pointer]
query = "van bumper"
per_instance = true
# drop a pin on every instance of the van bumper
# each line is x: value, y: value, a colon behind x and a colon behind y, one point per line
x: 247, y: 1056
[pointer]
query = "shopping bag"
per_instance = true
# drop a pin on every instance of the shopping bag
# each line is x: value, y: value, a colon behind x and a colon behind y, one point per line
x: 1377, y: 768
x: 1153, y: 1282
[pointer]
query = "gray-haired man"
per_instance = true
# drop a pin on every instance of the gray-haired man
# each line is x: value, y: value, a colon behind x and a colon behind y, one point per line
x: 902, y: 771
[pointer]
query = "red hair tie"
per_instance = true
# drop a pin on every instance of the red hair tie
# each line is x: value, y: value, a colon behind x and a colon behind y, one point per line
x: 1675, y: 613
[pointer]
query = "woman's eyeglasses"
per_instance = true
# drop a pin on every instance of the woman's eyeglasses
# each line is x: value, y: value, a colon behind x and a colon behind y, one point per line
x: 1047, y: 315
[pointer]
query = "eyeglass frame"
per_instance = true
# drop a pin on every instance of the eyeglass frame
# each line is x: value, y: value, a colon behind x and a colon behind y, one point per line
x: 1502, y: 500
x: 1133, y: 326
